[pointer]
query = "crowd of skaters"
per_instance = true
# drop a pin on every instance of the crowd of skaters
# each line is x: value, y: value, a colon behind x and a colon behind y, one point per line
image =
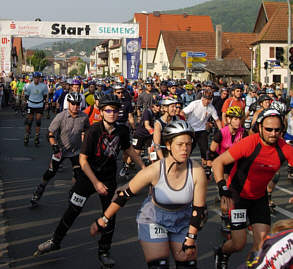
x: 143, y: 112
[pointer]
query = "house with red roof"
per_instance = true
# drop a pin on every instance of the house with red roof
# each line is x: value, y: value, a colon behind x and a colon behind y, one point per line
x: 151, y: 25
x: 227, y: 54
x: 271, y: 43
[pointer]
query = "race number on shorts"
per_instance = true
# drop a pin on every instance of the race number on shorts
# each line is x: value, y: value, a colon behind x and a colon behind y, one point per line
x: 238, y: 215
x: 77, y: 200
x: 157, y: 231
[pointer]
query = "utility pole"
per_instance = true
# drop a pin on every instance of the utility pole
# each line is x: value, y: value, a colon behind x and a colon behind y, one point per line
x: 289, y: 46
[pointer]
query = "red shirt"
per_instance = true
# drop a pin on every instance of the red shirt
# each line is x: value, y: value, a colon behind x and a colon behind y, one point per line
x: 250, y: 177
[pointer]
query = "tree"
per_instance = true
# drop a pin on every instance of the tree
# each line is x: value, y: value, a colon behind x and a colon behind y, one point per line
x: 73, y: 72
x: 39, y: 60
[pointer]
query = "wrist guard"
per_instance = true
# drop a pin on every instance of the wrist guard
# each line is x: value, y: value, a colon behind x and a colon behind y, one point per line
x: 55, y: 148
x: 223, y: 189
x: 208, y: 171
x: 211, y: 155
x: 100, y: 228
x: 185, y: 247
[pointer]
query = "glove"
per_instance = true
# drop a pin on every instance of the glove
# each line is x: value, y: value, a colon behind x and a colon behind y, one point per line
x: 55, y: 148
x: 208, y: 171
x: 223, y: 189
x: 185, y: 247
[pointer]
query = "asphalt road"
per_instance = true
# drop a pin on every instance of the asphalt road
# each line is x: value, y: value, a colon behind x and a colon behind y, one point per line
x: 23, y: 228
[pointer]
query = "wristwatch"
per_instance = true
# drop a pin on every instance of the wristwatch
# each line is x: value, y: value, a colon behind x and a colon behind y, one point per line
x: 191, y: 236
x: 105, y: 220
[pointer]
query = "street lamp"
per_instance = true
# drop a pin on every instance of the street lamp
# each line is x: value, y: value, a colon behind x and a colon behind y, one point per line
x: 289, y: 45
x: 146, y: 41
x: 251, y: 64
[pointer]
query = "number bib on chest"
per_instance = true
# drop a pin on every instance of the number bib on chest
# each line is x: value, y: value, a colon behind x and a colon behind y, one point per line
x: 157, y: 231
x: 238, y: 215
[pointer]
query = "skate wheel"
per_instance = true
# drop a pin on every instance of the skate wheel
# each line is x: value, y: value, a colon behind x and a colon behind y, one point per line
x: 37, y: 253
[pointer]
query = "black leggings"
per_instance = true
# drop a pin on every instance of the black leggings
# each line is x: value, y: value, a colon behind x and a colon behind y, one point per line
x: 201, y: 138
x: 79, y: 194
x: 54, y: 165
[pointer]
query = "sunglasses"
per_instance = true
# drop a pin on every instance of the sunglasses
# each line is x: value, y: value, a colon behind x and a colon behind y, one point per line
x: 75, y: 103
x: 277, y: 130
x: 108, y: 111
x: 119, y: 92
x: 178, y: 106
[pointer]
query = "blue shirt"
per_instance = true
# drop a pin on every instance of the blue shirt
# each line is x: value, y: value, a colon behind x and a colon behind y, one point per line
x: 36, y: 93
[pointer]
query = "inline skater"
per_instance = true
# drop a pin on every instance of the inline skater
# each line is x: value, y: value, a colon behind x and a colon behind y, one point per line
x: 252, y: 168
x: 168, y: 109
x: 289, y: 135
x: 175, y: 207
x: 93, y: 111
x: 143, y: 134
x: 75, y: 87
x: 234, y: 100
x: 65, y: 136
x: 197, y: 114
x: 222, y: 141
x: 100, y: 148
x: 35, y: 93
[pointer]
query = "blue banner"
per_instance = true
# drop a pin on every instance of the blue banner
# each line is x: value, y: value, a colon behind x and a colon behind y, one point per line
x: 132, y: 55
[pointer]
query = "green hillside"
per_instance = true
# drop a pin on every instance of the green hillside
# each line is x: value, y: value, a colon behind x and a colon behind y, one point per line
x: 234, y: 15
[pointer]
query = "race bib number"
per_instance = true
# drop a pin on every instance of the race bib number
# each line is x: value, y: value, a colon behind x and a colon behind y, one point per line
x: 238, y: 215
x: 134, y: 141
x: 77, y: 200
x: 153, y: 156
x: 157, y: 231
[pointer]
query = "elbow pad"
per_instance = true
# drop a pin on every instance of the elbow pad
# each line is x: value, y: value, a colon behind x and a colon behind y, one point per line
x: 123, y: 196
x: 201, y: 217
x: 211, y: 155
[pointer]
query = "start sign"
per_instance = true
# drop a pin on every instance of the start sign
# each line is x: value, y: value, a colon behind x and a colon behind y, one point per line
x: 69, y: 29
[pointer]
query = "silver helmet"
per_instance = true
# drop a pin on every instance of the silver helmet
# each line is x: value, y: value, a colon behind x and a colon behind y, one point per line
x: 175, y: 128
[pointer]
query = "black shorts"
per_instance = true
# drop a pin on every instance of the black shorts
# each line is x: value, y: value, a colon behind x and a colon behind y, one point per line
x: 32, y: 110
x: 256, y: 211
x: 141, y: 143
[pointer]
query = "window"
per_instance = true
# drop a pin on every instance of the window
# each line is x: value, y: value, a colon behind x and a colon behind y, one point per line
x: 277, y: 78
x: 272, y: 52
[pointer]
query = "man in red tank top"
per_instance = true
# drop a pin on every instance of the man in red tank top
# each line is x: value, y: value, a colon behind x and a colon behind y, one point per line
x: 257, y: 158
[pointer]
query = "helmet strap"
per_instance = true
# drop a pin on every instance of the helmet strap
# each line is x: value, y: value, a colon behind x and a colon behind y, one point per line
x: 176, y: 162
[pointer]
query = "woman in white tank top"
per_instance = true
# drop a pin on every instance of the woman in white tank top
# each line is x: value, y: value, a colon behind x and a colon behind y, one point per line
x: 166, y: 221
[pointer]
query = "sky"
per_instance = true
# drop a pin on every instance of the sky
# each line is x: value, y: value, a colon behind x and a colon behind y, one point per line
x: 83, y: 11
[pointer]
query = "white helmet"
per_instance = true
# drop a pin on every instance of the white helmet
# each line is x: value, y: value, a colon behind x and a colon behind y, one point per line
x: 175, y: 128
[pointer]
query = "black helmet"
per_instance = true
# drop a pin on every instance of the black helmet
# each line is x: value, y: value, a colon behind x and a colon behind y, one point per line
x: 98, y: 95
x: 263, y: 98
x: 156, y: 101
x: 176, y: 128
x: 109, y: 100
x: 74, y: 97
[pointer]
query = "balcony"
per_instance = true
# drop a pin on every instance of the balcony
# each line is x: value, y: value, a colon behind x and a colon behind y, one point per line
x: 103, y: 55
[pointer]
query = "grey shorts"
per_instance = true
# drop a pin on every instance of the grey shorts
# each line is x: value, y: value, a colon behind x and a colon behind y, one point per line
x: 156, y: 224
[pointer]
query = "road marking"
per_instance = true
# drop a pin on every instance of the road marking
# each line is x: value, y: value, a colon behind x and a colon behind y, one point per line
x: 284, y: 212
x: 10, y: 139
x: 284, y: 190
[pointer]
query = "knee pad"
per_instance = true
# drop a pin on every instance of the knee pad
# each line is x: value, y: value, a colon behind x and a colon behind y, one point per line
x: 28, y: 122
x: 186, y: 264
x: 38, y: 123
x: 162, y: 263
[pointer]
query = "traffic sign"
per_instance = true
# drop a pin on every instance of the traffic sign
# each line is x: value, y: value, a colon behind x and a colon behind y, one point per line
x: 196, y: 54
x: 198, y: 59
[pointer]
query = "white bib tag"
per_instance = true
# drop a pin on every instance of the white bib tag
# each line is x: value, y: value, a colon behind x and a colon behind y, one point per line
x: 134, y: 141
x: 238, y: 215
x: 157, y: 231
x: 77, y: 200
x: 153, y: 156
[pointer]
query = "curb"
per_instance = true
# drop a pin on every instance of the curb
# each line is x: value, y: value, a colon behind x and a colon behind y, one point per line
x: 4, y: 257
